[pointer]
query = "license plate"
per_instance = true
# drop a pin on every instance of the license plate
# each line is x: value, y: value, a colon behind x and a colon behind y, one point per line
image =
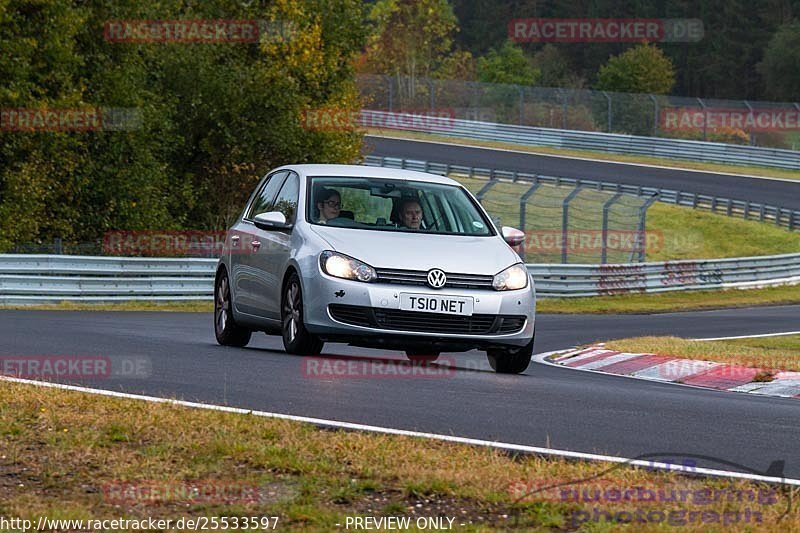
x: 434, y: 303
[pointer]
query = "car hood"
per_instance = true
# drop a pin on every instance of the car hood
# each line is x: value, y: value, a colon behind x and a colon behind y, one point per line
x: 418, y: 251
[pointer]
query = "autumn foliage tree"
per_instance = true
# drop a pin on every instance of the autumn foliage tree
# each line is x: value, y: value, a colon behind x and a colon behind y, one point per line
x: 214, y: 118
x: 413, y: 39
x: 641, y: 69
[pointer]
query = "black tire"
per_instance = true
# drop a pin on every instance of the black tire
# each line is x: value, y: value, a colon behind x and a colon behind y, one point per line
x: 296, y: 338
x: 510, y: 360
x: 226, y: 330
x: 422, y: 356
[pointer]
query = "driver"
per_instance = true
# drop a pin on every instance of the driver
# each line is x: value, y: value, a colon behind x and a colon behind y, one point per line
x: 410, y: 213
x: 329, y: 204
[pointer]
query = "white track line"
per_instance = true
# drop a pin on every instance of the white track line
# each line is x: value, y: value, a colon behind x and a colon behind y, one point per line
x: 406, y: 433
x: 609, y: 161
x: 782, y: 334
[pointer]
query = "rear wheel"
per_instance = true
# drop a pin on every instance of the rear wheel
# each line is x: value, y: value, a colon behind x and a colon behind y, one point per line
x: 226, y: 330
x: 507, y: 360
x: 296, y: 338
x: 422, y: 356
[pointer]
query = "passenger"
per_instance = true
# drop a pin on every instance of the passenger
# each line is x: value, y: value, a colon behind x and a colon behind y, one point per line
x: 329, y: 205
x: 410, y: 213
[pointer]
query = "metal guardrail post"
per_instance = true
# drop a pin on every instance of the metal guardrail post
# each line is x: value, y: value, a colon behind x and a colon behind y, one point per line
x: 565, y: 222
x: 606, y: 207
x: 641, y: 236
x: 523, y: 201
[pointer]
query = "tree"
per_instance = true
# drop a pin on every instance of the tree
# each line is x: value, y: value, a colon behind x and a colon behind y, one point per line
x: 507, y: 65
x: 641, y: 69
x: 411, y: 39
x: 780, y: 65
x: 638, y: 72
x: 214, y: 117
x: 556, y: 68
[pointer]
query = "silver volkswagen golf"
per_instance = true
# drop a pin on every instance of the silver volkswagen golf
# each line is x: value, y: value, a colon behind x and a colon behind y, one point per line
x: 374, y: 257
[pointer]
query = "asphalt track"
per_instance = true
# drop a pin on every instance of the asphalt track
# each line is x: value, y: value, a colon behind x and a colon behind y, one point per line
x: 547, y: 406
x: 771, y: 192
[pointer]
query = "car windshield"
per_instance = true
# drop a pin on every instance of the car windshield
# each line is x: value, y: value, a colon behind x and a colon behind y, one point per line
x: 394, y: 205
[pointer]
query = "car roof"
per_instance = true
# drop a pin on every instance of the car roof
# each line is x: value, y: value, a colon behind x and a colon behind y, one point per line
x: 360, y: 171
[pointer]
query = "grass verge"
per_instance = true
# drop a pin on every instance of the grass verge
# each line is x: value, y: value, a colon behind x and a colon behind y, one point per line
x: 176, y: 307
x: 617, y: 304
x: 73, y: 455
x: 777, y: 353
x: 620, y: 158
x: 670, y: 302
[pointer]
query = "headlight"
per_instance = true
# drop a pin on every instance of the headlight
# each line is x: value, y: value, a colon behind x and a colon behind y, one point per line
x: 512, y: 278
x: 341, y: 266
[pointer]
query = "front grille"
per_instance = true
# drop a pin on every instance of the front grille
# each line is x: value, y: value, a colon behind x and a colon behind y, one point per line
x: 352, y: 314
x: 398, y: 320
x: 419, y: 277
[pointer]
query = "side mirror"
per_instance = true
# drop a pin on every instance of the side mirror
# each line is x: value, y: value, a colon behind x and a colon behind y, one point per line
x: 271, y: 220
x: 512, y: 236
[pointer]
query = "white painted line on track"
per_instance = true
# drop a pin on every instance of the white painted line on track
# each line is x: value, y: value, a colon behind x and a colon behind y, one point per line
x: 592, y: 160
x: 434, y: 436
x: 782, y: 334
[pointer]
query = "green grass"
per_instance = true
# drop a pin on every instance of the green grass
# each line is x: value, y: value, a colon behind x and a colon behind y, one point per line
x: 63, y: 452
x: 691, y: 234
x: 769, y: 353
x: 674, y: 232
x: 671, y: 302
x: 665, y: 162
x: 176, y: 307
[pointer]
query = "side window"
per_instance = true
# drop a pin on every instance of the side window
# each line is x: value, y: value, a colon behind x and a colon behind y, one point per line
x: 286, y: 202
x: 264, y: 199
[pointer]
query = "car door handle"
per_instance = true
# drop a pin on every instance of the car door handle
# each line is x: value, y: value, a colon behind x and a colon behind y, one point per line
x: 235, y: 239
x: 256, y: 245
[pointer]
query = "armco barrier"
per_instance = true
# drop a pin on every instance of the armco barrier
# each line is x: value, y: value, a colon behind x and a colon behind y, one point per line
x: 55, y: 278
x: 47, y: 279
x: 780, y: 216
x: 599, y: 142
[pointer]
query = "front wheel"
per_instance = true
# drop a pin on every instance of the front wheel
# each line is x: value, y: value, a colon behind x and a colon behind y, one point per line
x: 504, y: 360
x: 296, y: 338
x: 226, y: 330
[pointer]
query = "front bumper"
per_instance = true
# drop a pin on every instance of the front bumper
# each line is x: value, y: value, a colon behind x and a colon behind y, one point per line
x: 492, y: 324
